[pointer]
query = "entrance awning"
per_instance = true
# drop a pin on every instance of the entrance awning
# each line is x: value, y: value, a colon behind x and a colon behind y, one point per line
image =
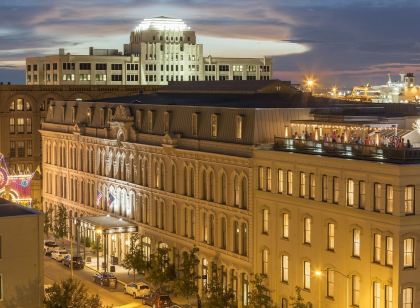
x: 107, y: 224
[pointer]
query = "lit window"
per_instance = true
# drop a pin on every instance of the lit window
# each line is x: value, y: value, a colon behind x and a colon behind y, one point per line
x: 20, y: 125
x: 389, y: 205
x: 285, y: 268
x: 331, y: 236
x: 356, y: 243
x: 355, y: 290
x: 238, y: 126
x: 285, y: 225
x: 324, y: 188
x: 307, y: 230
x: 330, y: 283
x: 377, y: 197
x: 265, y: 221
x: 307, y: 275
x: 261, y: 178
x: 377, y: 238
x: 269, y: 176
x: 265, y: 262
x: 312, y: 187
x: 362, y: 194
x: 19, y: 104
x: 350, y: 192
x: 376, y: 295
x: 289, y: 182
x: 388, y: 297
x: 12, y: 125
x: 336, y: 189
x: 214, y: 128
x: 409, y: 200
x: 408, y: 252
x: 408, y: 298
x: 1, y: 287
x: 236, y: 237
x: 389, y: 250
x: 302, y: 191
x: 280, y: 181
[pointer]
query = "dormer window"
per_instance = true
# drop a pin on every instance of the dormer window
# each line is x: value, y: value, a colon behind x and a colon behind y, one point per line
x: 138, y: 119
x: 194, y: 124
x: 214, y: 127
x: 150, y: 120
x: 166, y: 123
x: 102, y: 117
x: 238, y: 127
x: 73, y: 114
x: 89, y: 115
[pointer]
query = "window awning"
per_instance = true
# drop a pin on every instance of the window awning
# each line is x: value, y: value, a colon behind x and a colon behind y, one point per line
x: 107, y: 224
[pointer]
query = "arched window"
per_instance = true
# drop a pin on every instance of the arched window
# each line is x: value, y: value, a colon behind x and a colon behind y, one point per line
x: 211, y: 188
x: 162, y: 175
x: 264, y: 268
x: 12, y: 106
x: 236, y: 192
x: 192, y: 182
x: 203, y: 185
x: 147, y: 246
x: 211, y: 230
x: 244, y: 231
x: 244, y: 193
x: 223, y: 189
x: 236, y: 237
x: 173, y: 178
x: 223, y: 233
x: 185, y: 181
x: 204, y: 272
x: 28, y: 106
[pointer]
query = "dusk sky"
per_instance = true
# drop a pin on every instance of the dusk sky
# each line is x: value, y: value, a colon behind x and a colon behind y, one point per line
x: 342, y: 42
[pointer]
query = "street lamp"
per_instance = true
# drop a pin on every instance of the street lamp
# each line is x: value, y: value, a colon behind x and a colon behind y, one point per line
x: 318, y: 274
x: 310, y: 83
x: 98, y: 234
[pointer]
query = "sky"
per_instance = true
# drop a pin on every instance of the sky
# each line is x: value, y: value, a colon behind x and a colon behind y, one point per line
x: 339, y: 42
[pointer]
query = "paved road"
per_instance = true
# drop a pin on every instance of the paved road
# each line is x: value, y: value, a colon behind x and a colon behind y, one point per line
x: 55, y: 272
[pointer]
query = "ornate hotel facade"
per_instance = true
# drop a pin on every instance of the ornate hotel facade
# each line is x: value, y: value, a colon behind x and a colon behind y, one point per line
x: 200, y: 169
x: 161, y: 50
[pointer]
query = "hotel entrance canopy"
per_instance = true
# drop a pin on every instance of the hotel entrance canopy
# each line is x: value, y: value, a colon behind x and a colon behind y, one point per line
x: 107, y: 224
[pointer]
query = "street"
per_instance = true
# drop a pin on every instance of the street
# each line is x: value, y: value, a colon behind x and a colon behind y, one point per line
x: 54, y: 272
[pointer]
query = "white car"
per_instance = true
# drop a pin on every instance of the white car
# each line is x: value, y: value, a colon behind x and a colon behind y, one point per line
x: 137, y: 289
x: 59, y: 254
x: 49, y: 246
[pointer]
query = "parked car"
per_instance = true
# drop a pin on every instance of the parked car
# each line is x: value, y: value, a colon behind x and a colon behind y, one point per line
x: 157, y: 300
x: 78, y: 262
x: 137, y: 289
x: 49, y: 246
x: 105, y: 279
x: 59, y: 254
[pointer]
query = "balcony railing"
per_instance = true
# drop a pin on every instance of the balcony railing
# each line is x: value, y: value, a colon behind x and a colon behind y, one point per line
x: 347, y: 150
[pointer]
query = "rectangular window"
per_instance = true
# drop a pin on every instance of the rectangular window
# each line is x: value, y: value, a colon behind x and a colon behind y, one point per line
x: 29, y: 125
x: 389, y: 253
x: 307, y: 275
x: 150, y: 120
x: 116, y: 67
x: 324, y: 188
x: 408, y: 252
x: 84, y: 66
x: 280, y: 181
x: 100, y: 66
x: 285, y: 225
x: 214, y: 128
x: 269, y: 179
x: 376, y: 295
x: 409, y: 199
x: 289, y: 182
x: 238, y: 127
x: 261, y: 178
x: 285, y: 268
x: 312, y: 187
x: 389, y: 204
x: 302, y: 190
x: 356, y: 243
x: 330, y: 283
x: 20, y: 125
x: 265, y: 221
x: 355, y: 290
x: 388, y: 296
x: 331, y: 237
x: 307, y: 230
x: 29, y: 148
x: 377, y: 197
x: 350, y: 192
x: 12, y: 149
x: 12, y: 125
x: 166, y: 118
x: 336, y: 189
x: 194, y: 124
x: 377, y: 238
x: 407, y: 298
x: 362, y: 194
x: 1, y: 287
x: 84, y: 77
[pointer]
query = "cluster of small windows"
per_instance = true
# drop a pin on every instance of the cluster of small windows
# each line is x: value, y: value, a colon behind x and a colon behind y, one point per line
x: 101, y: 66
x: 116, y: 66
x: 20, y: 125
x: 69, y: 66
x: 21, y: 148
x: 150, y: 67
x: 133, y: 77
x: 210, y: 68
x: 132, y: 67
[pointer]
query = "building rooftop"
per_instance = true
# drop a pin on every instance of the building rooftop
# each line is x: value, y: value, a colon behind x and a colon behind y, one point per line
x: 8, y: 209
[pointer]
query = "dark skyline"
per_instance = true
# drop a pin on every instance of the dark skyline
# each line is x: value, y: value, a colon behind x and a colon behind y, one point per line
x: 339, y: 42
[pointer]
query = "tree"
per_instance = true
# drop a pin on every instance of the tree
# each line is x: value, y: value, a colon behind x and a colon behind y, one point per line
x: 259, y: 296
x: 48, y: 221
x: 70, y: 293
x: 159, y: 270
x: 297, y: 301
x: 60, y: 222
x: 219, y: 296
x: 134, y: 258
x: 186, y: 282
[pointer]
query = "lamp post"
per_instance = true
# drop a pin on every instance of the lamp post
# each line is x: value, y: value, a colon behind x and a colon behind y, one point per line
x: 98, y: 234
x: 318, y: 274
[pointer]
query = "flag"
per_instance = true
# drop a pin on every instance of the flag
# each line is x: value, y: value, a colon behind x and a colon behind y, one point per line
x: 111, y: 198
x: 38, y: 169
x: 98, y: 197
